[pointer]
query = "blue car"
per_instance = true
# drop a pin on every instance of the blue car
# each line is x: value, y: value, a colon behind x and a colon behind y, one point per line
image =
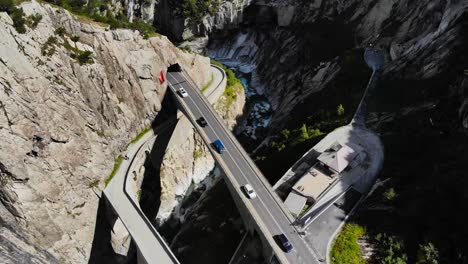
x: 219, y: 146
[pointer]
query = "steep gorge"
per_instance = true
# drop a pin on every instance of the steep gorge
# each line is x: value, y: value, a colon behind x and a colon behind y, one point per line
x: 64, y: 121
x: 306, y: 58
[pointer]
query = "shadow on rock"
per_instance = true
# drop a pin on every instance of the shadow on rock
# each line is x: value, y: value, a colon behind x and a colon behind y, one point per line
x: 151, y: 186
x: 101, y: 249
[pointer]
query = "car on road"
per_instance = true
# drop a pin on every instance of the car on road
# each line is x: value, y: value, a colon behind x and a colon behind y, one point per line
x: 183, y: 93
x: 202, y: 122
x: 249, y: 191
x: 219, y: 146
x: 283, y: 242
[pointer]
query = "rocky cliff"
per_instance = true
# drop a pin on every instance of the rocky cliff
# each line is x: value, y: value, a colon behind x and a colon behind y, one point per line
x: 306, y: 57
x: 295, y: 49
x: 63, y: 121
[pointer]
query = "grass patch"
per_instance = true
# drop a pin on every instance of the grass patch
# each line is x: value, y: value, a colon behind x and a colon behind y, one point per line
x: 153, y: 34
x: 208, y: 84
x: 233, y: 86
x: 197, y: 154
x: 117, y: 163
x: 140, y: 135
x: 345, y: 249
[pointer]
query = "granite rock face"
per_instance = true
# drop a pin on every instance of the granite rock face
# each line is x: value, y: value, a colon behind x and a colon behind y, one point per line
x: 294, y: 49
x: 62, y: 125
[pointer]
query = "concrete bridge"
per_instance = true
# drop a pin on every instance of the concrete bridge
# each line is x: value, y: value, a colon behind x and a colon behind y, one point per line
x: 265, y: 215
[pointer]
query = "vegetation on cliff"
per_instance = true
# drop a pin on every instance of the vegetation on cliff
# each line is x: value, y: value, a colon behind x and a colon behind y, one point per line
x: 233, y: 85
x: 102, y: 11
x: 195, y: 10
x: 17, y: 15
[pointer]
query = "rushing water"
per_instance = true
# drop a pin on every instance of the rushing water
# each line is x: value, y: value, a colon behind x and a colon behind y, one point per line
x: 259, y: 113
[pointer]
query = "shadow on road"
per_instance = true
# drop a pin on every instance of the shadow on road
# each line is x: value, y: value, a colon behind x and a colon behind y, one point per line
x: 101, y: 249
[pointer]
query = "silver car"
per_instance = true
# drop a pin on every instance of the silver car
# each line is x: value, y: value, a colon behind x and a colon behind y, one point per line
x: 183, y: 93
x: 249, y: 191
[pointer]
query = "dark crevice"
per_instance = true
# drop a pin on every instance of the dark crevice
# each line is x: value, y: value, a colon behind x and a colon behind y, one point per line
x: 58, y: 141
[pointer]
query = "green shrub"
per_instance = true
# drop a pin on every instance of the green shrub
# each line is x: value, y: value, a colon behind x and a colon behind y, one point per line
x: 391, y: 249
x: 60, y: 31
x: 195, y: 10
x: 85, y: 57
x: 33, y: 20
x: 345, y: 248
x: 7, y: 6
x: 427, y: 254
x: 75, y: 39
x: 390, y: 194
x: 17, y: 15
x: 48, y: 48
x: 340, y: 110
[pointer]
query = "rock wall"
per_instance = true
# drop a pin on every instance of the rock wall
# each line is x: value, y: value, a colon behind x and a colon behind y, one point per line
x: 62, y: 124
x: 229, y: 15
x: 299, y: 47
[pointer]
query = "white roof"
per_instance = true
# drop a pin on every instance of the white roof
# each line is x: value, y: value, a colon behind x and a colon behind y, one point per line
x: 295, y: 202
x: 337, y: 157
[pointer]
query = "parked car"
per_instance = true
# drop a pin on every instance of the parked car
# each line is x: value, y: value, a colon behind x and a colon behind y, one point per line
x: 202, y: 122
x: 249, y: 191
x: 183, y: 93
x: 219, y: 146
x: 283, y: 242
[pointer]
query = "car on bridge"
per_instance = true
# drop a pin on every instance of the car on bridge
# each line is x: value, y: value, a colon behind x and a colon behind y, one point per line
x: 283, y: 242
x: 219, y: 146
x: 249, y: 191
x: 202, y: 122
x: 183, y: 93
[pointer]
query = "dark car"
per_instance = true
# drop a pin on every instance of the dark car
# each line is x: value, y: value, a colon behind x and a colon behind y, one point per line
x: 202, y: 122
x: 219, y: 146
x: 283, y: 242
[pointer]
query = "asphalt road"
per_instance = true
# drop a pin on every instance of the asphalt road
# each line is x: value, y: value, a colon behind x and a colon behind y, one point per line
x: 265, y: 207
x: 151, y: 245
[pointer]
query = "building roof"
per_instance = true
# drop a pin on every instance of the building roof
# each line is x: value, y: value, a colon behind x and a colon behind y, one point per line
x: 337, y: 157
x: 295, y: 202
x: 313, y: 183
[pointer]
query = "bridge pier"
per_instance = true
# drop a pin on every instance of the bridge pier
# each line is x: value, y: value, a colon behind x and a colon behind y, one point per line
x: 250, y: 224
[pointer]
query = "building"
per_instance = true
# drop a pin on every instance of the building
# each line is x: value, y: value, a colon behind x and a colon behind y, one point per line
x: 322, y: 175
x: 338, y: 157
